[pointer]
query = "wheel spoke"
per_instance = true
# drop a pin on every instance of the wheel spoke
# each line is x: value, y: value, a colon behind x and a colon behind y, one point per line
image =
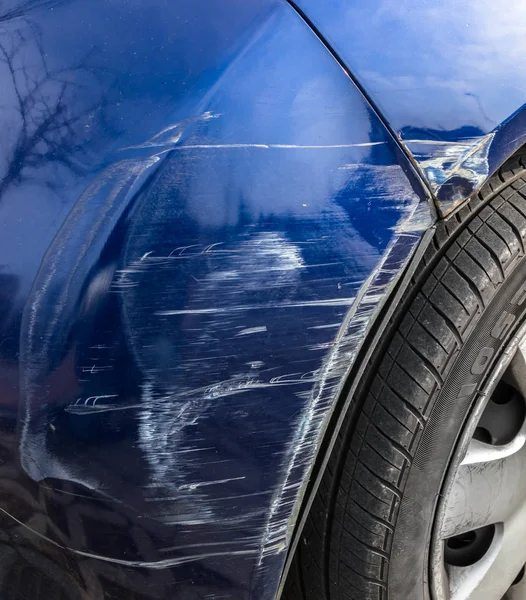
x: 492, y: 576
x: 489, y: 487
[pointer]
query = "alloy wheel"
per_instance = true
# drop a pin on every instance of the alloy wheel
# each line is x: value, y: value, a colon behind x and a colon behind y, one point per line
x: 479, y: 541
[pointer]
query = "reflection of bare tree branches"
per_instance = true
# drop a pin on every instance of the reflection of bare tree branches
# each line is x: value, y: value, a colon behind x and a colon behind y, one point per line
x: 24, y: 7
x: 52, y: 123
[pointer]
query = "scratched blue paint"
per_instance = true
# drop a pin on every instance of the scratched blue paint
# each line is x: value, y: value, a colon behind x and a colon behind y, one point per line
x: 447, y: 76
x: 199, y: 217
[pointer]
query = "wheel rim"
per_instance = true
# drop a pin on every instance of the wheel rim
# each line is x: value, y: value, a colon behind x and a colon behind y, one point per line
x: 478, y: 549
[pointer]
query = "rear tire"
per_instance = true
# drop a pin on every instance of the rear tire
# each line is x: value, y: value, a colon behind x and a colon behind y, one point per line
x: 368, y: 533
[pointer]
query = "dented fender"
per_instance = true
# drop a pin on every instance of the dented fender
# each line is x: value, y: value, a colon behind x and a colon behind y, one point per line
x: 201, y: 216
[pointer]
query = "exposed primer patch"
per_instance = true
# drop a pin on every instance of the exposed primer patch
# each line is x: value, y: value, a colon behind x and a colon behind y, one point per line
x: 453, y: 170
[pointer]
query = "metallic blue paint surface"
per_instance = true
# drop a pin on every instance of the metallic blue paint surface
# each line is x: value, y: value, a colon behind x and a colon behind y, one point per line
x: 200, y: 215
x: 448, y: 77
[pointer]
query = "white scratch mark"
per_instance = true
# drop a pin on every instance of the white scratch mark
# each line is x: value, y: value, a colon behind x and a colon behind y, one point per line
x: 194, y: 486
x: 94, y: 399
x: 181, y: 249
x: 159, y: 564
x: 256, y: 364
x: 330, y: 326
x: 96, y: 369
x: 251, y: 330
x: 210, y: 311
x: 208, y: 249
x: 276, y: 146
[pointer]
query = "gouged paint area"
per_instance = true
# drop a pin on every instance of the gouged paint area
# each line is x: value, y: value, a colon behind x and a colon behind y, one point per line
x: 453, y: 170
x: 207, y: 323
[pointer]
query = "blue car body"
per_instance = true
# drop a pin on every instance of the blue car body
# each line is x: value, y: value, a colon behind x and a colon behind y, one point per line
x: 204, y: 206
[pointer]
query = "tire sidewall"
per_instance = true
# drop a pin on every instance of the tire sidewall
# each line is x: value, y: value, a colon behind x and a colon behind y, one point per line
x: 485, y: 342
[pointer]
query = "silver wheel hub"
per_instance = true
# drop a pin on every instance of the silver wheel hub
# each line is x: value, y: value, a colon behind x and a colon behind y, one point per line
x: 479, y: 548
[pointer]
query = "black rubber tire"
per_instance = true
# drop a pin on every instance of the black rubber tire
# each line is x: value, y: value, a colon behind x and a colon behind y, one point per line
x: 368, y: 533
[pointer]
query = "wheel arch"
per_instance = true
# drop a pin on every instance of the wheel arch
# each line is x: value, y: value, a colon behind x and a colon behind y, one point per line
x: 390, y: 311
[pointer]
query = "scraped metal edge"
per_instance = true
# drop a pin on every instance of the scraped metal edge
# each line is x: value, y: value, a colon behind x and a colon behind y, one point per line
x: 376, y: 328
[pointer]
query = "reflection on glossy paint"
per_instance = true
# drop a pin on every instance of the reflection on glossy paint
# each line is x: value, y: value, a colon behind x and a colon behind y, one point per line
x: 196, y: 241
x: 449, y: 73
